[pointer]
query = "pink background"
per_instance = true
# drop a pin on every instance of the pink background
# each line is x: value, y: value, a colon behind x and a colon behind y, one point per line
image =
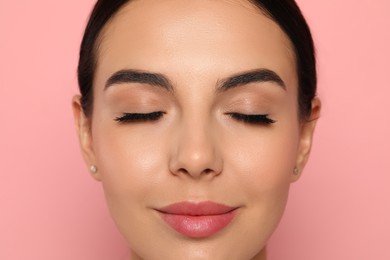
x: 50, y: 208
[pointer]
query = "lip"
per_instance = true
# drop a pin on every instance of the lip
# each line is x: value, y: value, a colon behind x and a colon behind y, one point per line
x: 198, y: 220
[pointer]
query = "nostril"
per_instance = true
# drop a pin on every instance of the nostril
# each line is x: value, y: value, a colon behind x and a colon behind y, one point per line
x: 183, y: 170
x: 207, y: 171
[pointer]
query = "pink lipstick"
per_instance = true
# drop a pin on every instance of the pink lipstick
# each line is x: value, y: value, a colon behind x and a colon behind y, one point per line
x: 197, y: 220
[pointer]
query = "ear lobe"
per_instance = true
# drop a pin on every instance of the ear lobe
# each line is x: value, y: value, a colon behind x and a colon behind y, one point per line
x: 306, y: 138
x: 83, y: 128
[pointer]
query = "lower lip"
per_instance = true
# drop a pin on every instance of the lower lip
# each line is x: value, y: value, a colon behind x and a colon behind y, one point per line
x: 198, y: 226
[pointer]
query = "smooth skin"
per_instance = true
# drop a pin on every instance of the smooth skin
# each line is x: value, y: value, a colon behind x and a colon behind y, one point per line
x: 196, y: 151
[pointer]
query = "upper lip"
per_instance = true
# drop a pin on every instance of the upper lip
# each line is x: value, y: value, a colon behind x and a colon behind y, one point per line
x: 206, y: 208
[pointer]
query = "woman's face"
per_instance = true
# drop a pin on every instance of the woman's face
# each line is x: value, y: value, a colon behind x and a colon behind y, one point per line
x: 195, y: 105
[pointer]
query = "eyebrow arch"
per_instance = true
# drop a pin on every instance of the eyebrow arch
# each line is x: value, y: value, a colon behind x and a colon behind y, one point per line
x: 137, y: 76
x: 257, y: 75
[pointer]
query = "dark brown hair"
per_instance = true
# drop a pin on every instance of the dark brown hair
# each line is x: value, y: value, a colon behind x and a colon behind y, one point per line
x: 285, y: 13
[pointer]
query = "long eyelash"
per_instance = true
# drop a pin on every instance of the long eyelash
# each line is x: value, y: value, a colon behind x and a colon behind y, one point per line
x: 252, y: 119
x: 140, y: 117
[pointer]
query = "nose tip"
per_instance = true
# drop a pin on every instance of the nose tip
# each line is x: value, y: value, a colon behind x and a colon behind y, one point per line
x: 197, y: 166
x: 196, y: 156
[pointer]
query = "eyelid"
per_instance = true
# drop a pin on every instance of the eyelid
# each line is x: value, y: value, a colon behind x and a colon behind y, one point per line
x: 140, y: 117
x: 256, y: 119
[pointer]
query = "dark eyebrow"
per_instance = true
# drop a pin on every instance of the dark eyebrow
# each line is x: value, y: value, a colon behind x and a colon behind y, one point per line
x: 257, y: 75
x: 136, y: 76
x: 157, y: 79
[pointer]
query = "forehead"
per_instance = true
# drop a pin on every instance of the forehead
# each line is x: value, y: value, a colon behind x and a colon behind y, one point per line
x: 190, y: 37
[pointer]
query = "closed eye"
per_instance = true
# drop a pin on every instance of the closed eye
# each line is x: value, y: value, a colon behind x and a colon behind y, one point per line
x: 256, y: 119
x: 140, y: 117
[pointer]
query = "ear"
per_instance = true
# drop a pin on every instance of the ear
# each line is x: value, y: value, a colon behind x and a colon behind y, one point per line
x: 306, y: 138
x: 83, y: 128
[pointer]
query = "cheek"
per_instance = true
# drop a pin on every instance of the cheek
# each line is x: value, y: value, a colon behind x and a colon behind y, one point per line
x: 265, y: 157
x: 263, y: 164
x: 129, y: 162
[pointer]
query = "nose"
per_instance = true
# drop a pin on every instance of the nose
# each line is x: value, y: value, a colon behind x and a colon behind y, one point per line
x: 195, y: 152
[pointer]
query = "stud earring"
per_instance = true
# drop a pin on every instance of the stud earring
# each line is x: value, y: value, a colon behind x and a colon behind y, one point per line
x: 296, y: 171
x: 93, y: 168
